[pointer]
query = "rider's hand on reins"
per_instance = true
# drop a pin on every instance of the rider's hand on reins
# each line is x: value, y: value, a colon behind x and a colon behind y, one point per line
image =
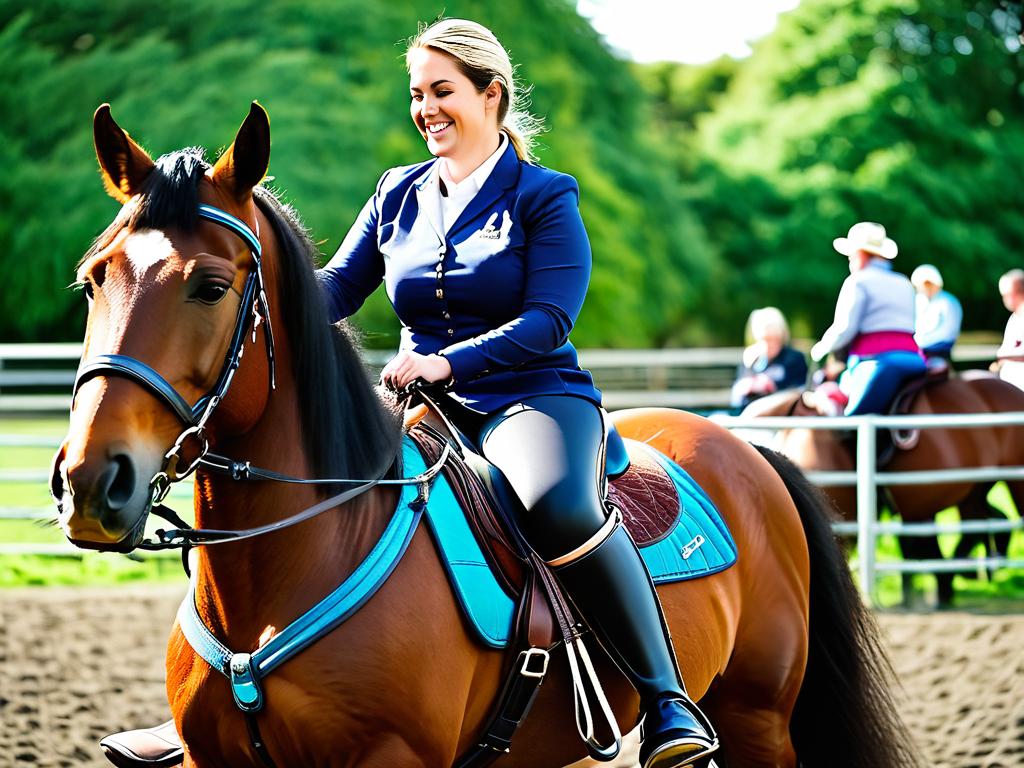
x: 414, y: 387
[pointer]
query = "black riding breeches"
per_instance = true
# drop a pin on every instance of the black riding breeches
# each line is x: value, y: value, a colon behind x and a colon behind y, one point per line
x: 550, y: 449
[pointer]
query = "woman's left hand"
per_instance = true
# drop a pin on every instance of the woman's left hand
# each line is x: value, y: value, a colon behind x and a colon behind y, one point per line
x: 407, y: 366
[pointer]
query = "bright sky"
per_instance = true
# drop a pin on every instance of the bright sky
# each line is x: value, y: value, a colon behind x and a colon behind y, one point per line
x: 694, y: 31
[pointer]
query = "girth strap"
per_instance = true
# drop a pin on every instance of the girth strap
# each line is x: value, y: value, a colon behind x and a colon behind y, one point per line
x: 514, y: 704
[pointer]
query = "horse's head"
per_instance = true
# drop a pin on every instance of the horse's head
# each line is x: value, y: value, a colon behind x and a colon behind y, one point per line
x: 174, y: 288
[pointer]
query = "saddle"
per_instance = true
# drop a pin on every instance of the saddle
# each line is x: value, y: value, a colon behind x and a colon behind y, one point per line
x: 645, y: 497
x: 636, y: 486
x: 891, y: 440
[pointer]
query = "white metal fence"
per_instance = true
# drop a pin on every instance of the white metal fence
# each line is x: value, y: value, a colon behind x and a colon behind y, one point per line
x: 649, y: 388
x: 867, y: 479
x: 697, y: 378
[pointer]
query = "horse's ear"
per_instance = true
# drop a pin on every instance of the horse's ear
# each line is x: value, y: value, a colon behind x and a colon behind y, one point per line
x: 246, y: 161
x: 124, y: 163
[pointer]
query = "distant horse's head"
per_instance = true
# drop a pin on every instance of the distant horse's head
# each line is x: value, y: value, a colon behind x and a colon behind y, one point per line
x: 808, y: 448
x: 165, y: 288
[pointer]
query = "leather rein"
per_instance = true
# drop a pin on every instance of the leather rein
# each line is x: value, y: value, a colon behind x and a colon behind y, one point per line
x: 253, y: 310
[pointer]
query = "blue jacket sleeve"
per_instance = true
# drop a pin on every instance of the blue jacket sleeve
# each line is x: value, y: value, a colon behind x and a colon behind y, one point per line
x: 357, y: 267
x: 558, y: 263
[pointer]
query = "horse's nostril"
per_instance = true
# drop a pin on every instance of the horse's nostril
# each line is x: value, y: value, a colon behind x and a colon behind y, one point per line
x: 122, y: 481
x: 58, y: 484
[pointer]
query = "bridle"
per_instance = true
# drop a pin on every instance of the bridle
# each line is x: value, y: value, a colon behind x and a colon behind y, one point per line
x: 253, y: 310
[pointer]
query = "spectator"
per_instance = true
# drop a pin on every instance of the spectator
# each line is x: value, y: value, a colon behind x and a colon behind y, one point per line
x: 1010, y: 356
x: 938, y: 316
x: 769, y: 364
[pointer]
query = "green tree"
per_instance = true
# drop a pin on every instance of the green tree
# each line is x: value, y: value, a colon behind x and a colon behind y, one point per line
x: 905, y: 112
x: 331, y: 74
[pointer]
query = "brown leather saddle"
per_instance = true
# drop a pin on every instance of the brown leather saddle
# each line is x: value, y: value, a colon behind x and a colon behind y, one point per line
x: 891, y: 440
x: 636, y: 485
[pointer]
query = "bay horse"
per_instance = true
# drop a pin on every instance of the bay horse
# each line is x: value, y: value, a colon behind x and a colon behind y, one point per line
x: 778, y: 648
x: 974, y: 392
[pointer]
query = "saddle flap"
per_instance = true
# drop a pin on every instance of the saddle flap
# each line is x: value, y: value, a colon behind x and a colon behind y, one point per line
x: 478, y: 490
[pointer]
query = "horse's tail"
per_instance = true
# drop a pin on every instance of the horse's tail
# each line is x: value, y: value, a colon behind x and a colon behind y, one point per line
x: 845, y: 714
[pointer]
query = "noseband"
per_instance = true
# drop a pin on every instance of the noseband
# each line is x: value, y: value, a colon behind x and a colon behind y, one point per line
x: 253, y: 310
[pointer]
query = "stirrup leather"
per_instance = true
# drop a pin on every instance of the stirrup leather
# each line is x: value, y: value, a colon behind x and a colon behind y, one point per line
x: 581, y: 668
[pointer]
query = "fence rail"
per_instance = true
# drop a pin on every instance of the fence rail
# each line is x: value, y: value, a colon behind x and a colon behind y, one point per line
x: 867, y: 479
x: 614, y: 365
x: 37, y: 378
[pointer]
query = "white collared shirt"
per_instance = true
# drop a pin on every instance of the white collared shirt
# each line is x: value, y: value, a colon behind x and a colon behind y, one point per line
x: 460, y: 194
x: 938, y: 319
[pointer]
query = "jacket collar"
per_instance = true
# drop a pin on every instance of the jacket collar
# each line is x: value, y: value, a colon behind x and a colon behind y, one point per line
x: 504, y: 176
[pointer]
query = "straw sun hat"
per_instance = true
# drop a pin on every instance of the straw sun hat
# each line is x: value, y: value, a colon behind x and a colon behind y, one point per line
x: 866, y: 236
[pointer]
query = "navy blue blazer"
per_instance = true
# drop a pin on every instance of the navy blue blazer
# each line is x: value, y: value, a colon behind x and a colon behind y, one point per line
x: 497, y: 295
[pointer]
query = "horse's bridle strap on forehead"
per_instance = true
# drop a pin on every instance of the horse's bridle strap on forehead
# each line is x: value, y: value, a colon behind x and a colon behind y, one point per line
x: 235, y: 224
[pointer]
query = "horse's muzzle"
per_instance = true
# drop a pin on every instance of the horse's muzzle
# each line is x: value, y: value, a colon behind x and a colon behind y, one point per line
x: 101, y: 504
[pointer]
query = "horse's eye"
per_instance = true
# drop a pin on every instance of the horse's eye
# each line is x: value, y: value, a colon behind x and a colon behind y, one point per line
x: 210, y: 293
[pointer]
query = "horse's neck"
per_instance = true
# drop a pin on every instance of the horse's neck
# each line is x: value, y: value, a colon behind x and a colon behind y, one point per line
x: 247, y: 586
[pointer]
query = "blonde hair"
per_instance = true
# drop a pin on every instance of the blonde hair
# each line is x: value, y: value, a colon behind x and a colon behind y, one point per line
x: 481, y: 58
x: 767, y: 319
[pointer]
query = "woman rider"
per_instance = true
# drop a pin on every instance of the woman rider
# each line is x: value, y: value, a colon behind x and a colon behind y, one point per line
x: 486, y: 262
x: 874, y: 319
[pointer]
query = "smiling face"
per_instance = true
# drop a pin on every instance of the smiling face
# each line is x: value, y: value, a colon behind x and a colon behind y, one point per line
x: 457, y: 121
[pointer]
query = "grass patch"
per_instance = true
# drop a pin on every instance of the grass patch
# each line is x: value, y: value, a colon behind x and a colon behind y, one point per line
x: 79, y: 567
x: 87, y: 568
x: 1005, y: 584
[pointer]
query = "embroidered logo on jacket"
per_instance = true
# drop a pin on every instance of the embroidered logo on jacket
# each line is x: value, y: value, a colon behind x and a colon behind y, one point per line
x: 490, y: 233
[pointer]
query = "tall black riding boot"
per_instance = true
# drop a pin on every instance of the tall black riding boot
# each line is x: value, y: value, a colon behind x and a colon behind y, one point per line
x: 615, y: 595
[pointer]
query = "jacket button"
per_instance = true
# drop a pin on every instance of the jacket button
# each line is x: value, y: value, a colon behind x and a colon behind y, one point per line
x: 439, y: 293
x: 447, y: 316
x: 451, y: 331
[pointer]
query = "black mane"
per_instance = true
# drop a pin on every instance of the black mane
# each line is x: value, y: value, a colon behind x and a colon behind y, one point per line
x: 345, y: 429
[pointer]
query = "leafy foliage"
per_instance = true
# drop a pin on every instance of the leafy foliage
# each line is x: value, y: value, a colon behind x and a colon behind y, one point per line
x: 905, y: 112
x: 331, y: 75
x: 706, y: 190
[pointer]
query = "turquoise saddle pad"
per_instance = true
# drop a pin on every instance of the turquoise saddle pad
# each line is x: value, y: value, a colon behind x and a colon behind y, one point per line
x: 698, y: 544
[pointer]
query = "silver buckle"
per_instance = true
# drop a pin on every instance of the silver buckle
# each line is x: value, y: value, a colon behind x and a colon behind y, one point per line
x: 529, y: 654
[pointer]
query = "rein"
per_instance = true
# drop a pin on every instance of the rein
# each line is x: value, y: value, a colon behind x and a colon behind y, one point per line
x: 196, y: 417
